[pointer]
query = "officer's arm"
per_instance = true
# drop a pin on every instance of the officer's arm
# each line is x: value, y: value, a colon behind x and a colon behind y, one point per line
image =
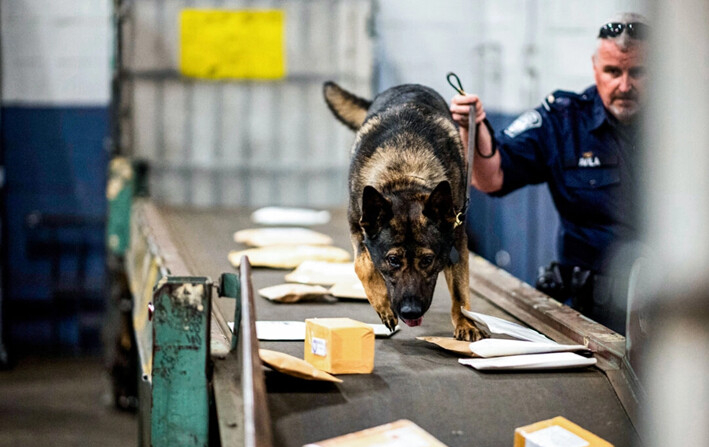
x: 487, y: 173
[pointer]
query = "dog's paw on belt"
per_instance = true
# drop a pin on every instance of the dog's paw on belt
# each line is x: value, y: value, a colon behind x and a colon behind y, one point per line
x: 468, y: 332
x: 389, y: 319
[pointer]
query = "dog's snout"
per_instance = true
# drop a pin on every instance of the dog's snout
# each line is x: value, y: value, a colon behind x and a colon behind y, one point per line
x: 410, y: 308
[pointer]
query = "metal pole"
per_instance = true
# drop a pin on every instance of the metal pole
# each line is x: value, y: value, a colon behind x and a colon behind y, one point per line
x: 4, y: 359
x: 676, y: 216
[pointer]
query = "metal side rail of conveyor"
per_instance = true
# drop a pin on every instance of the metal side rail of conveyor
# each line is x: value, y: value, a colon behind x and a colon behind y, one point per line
x: 192, y: 391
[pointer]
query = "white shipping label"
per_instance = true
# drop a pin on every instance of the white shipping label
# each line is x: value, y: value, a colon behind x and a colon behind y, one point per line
x: 319, y: 346
x: 554, y: 436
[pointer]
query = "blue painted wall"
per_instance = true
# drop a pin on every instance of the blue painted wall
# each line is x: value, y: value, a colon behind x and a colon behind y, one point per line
x: 55, y: 164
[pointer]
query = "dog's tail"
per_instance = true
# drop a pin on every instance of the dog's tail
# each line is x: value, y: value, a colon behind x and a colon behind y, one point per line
x: 350, y: 109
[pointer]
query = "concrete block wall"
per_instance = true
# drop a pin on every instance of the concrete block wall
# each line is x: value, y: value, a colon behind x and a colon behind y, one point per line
x: 56, y: 52
x: 56, y: 71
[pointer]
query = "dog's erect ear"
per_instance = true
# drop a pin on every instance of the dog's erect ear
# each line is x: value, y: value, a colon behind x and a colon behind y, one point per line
x: 348, y: 108
x: 376, y: 211
x: 439, y: 205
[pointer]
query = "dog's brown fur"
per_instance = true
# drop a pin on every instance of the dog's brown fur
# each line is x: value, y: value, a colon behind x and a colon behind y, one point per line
x: 407, y: 188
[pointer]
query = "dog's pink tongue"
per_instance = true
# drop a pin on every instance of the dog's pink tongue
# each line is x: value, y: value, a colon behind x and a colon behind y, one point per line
x: 412, y: 323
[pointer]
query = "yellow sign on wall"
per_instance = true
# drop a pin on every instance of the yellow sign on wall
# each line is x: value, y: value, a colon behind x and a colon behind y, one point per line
x: 220, y: 44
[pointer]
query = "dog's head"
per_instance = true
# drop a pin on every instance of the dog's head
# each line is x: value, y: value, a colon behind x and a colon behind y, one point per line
x: 409, y: 238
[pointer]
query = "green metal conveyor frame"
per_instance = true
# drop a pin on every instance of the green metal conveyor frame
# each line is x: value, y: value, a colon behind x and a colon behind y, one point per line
x: 187, y: 352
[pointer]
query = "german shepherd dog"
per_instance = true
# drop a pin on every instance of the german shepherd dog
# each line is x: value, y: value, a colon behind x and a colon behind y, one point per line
x: 407, y: 185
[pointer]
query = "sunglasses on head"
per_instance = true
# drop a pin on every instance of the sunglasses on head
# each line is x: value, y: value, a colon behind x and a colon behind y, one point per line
x: 636, y: 30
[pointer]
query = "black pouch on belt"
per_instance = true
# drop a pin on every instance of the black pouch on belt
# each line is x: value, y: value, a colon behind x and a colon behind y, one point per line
x: 551, y: 282
x: 570, y: 285
x: 581, y: 289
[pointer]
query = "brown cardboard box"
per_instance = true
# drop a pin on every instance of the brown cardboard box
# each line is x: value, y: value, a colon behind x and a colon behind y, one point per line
x: 400, y: 433
x: 556, y: 432
x: 339, y: 345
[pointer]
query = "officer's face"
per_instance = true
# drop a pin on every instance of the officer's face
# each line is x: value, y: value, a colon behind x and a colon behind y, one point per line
x: 620, y: 78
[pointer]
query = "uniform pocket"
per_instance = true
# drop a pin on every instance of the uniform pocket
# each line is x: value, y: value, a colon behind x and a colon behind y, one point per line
x: 591, y: 178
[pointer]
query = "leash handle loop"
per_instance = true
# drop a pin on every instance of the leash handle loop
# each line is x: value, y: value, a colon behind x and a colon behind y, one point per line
x: 459, y: 87
x: 472, y: 126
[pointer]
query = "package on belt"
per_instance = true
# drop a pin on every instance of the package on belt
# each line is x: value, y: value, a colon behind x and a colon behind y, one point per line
x: 395, y: 434
x: 556, y: 432
x: 339, y: 345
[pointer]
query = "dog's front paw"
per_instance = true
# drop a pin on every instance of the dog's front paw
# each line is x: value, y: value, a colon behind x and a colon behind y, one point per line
x: 389, y: 319
x: 465, y: 330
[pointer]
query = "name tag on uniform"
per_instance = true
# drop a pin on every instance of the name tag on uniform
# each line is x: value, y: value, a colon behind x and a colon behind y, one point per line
x: 589, y: 160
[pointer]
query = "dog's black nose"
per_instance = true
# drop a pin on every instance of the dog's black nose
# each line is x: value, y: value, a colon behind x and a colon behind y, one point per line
x: 410, y: 308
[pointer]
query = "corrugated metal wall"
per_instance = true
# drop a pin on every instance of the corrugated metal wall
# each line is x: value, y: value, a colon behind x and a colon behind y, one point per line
x: 227, y: 143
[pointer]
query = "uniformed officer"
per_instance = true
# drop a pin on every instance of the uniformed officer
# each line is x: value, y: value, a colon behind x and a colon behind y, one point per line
x: 584, y: 147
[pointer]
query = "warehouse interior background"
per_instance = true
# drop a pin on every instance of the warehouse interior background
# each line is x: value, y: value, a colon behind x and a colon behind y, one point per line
x: 232, y: 142
x: 82, y: 81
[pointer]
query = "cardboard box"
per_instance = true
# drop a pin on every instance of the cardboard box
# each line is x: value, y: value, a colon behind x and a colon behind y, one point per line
x: 339, y: 345
x: 396, y: 434
x: 556, y: 432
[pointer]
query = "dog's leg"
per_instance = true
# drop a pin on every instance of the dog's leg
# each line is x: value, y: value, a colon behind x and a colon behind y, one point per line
x: 458, y: 281
x: 375, y: 288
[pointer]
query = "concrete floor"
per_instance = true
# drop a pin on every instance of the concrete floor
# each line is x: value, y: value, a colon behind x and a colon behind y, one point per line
x: 61, y: 402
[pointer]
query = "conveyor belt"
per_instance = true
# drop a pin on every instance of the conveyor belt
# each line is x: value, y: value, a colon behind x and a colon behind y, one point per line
x: 411, y: 379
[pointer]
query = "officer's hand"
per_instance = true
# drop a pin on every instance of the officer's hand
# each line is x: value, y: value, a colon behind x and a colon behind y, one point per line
x: 460, y: 109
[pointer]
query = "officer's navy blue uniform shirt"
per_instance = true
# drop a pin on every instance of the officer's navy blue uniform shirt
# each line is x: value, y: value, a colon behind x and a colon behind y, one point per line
x: 574, y: 145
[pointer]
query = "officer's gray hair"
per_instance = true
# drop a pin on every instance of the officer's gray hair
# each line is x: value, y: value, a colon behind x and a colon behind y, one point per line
x: 623, y: 40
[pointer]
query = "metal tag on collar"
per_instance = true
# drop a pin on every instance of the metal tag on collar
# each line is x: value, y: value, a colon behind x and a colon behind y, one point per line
x: 458, y: 220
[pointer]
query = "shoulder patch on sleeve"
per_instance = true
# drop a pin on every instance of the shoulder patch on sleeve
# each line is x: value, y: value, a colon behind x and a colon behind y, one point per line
x: 528, y: 120
x: 561, y: 99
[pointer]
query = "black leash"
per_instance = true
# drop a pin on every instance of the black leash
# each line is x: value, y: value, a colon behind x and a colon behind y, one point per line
x: 472, y: 127
x: 472, y: 145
